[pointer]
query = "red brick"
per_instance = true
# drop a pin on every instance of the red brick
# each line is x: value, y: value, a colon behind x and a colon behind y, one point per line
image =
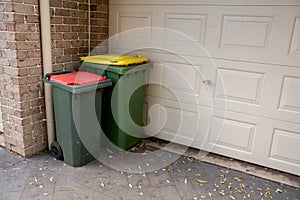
x: 63, y: 44
x: 79, y: 43
x: 70, y: 36
x: 68, y: 20
x: 31, y: 2
x: 37, y: 102
x: 62, y: 28
x: 32, y: 18
x: 78, y: 13
x: 70, y: 51
x: 56, y: 3
x: 35, y: 70
x: 22, y: 8
x: 34, y: 53
x: 20, y: 27
x: 83, y: 6
x: 19, y: 18
x: 61, y: 12
x: 57, y: 52
x: 63, y: 59
x: 71, y: 5
x: 56, y: 36
x: 56, y: 20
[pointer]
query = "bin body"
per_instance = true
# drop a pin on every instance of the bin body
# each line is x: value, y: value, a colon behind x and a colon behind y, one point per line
x: 132, y: 77
x: 75, y: 124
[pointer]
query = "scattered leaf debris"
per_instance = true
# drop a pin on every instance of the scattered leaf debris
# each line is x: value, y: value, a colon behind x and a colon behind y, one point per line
x: 201, y: 181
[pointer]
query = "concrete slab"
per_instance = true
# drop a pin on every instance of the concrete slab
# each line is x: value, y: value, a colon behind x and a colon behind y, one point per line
x: 43, y: 177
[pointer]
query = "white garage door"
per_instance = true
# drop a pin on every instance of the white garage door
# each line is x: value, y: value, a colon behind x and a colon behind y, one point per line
x: 256, y: 48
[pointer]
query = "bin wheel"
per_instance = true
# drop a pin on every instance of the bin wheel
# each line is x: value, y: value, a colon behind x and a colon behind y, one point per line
x: 56, y: 151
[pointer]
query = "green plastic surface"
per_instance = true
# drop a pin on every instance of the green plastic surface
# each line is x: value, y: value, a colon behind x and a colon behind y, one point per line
x: 132, y: 76
x: 78, y: 102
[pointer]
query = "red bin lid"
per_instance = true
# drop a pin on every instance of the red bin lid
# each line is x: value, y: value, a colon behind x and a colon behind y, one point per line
x: 77, y: 78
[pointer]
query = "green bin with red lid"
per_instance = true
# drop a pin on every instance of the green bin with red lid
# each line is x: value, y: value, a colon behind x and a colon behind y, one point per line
x: 77, y: 102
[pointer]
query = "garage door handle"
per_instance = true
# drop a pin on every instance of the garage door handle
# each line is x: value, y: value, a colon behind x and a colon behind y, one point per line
x: 207, y: 82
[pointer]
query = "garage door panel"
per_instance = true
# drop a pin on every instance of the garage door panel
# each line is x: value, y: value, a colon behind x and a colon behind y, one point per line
x: 281, y: 143
x: 256, y: 34
x: 234, y: 134
x: 193, y: 26
x: 181, y: 121
x: 178, y: 81
x: 244, y: 32
x: 177, y: 122
x: 240, y: 86
x: 290, y: 98
x: 295, y: 42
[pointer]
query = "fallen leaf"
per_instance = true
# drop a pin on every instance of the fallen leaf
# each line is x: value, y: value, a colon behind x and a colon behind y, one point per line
x: 51, y: 178
x: 130, y: 185
x: 231, y: 197
x: 203, y: 197
x: 223, y: 180
x: 35, y: 179
x: 201, y: 181
x: 45, y: 193
x: 141, y: 194
x: 267, y: 193
x: 11, y: 164
x: 102, y: 184
x: 237, y: 179
x: 210, y: 195
x: 222, y: 192
x: 278, y: 190
x: 41, y: 186
x: 185, y: 181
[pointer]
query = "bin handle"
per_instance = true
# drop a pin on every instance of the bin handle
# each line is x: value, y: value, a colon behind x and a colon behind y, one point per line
x: 48, y: 75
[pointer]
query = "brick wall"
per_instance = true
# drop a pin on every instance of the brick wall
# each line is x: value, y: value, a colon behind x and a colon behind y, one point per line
x: 22, y: 97
x: 21, y: 86
x: 70, y: 33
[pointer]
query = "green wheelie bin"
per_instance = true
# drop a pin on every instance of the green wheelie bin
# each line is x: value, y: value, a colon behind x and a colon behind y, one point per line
x: 122, y: 114
x: 77, y: 100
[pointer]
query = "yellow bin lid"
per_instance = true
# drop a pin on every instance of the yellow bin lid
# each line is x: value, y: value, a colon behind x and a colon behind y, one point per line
x: 114, y: 59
